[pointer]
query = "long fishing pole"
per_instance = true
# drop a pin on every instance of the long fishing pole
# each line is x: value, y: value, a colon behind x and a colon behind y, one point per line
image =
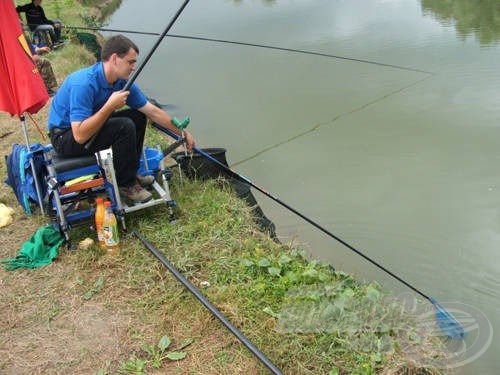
x: 145, y: 61
x: 298, y: 51
x: 257, y: 45
x: 109, y: 30
x: 208, y: 305
x: 448, y: 324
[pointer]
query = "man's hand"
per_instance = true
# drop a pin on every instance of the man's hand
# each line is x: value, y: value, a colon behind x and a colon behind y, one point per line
x: 190, y: 142
x: 42, y: 50
x: 117, y: 99
x: 160, y: 117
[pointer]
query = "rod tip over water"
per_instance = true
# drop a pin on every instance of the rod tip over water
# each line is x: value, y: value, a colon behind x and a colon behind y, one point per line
x: 448, y: 324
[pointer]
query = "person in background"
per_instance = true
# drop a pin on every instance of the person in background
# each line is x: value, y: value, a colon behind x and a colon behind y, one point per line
x: 43, y: 65
x: 38, y: 22
x: 38, y: 42
x: 45, y: 68
x: 86, y: 115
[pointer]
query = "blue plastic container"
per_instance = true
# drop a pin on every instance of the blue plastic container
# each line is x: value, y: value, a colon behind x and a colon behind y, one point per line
x: 153, y: 158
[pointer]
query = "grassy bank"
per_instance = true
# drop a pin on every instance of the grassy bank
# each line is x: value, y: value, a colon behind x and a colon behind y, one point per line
x: 90, y: 313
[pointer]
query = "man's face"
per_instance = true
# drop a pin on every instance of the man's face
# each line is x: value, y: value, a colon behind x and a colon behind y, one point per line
x: 125, y: 65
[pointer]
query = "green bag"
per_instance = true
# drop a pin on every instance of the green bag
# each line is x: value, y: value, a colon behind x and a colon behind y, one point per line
x: 90, y: 42
x: 39, y: 251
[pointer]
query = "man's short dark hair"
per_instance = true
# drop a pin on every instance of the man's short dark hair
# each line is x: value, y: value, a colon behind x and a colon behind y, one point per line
x: 118, y: 44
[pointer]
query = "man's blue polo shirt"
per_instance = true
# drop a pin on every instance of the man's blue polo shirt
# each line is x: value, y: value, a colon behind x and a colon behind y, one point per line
x: 83, y: 93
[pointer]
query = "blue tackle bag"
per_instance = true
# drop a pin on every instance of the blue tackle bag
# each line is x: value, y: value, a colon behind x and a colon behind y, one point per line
x: 20, y: 175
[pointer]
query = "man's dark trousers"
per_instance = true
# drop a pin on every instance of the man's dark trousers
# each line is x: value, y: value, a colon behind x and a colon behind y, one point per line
x: 124, y: 132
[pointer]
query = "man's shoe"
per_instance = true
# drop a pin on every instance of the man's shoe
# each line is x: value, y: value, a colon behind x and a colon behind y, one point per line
x: 145, y: 181
x: 58, y: 44
x: 135, y: 193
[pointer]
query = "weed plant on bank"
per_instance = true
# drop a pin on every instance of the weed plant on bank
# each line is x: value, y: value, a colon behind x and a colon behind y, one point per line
x: 90, y: 313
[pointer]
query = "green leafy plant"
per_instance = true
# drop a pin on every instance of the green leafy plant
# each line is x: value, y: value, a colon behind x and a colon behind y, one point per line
x: 134, y: 366
x: 94, y: 290
x: 157, y: 354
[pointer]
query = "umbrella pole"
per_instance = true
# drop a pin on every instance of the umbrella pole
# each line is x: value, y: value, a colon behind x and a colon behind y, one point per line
x: 32, y: 163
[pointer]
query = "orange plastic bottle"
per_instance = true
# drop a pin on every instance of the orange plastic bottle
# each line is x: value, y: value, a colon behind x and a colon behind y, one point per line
x: 110, y: 230
x: 99, y: 218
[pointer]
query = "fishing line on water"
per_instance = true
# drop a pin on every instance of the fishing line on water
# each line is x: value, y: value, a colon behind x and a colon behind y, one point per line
x: 327, y: 123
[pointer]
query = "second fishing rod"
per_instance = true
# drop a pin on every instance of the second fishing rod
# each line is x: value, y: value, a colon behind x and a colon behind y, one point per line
x: 255, y: 45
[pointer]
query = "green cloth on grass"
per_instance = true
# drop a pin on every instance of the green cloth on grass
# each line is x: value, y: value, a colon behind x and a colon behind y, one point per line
x: 38, y: 251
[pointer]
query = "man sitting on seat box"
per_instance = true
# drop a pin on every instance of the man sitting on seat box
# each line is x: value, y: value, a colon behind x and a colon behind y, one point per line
x: 86, y: 107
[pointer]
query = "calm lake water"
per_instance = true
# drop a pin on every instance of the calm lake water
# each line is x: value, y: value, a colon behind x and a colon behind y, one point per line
x: 388, y: 136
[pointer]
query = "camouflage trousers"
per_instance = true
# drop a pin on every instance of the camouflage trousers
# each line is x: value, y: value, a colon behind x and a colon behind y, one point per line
x: 45, y: 68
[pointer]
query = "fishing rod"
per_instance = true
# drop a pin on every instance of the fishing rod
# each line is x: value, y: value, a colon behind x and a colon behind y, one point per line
x: 299, y: 51
x: 447, y: 322
x: 100, y: 29
x: 203, y: 39
x: 109, y: 30
x: 208, y: 305
x: 144, y: 62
